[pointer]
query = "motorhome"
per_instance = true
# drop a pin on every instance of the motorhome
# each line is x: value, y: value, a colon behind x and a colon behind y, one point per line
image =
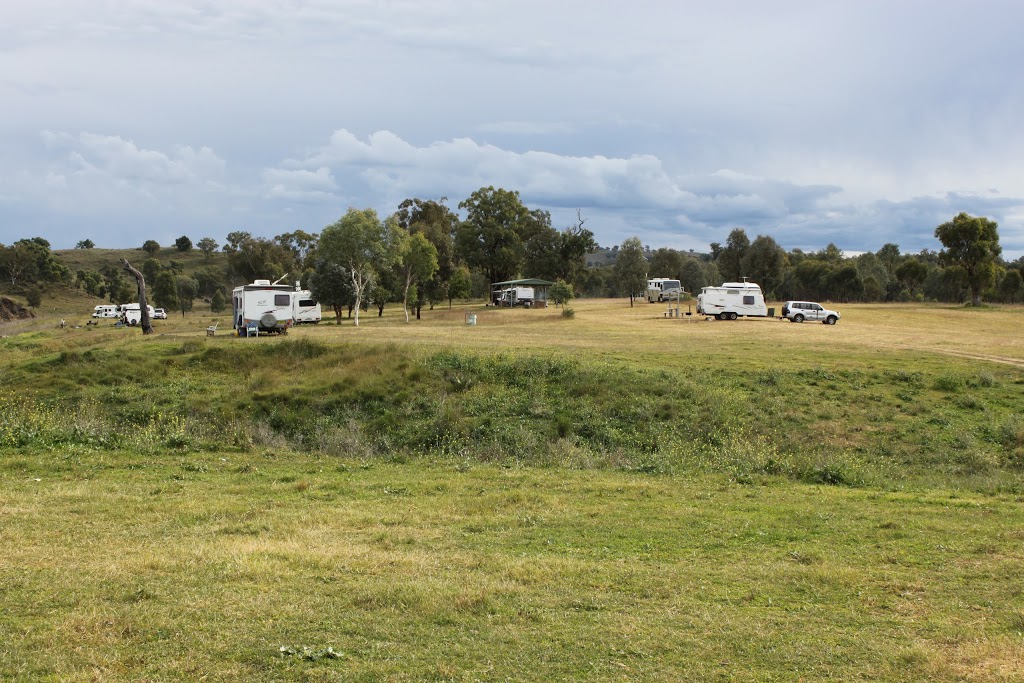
x: 263, y: 305
x: 663, y: 289
x: 732, y: 300
x: 304, y: 309
x: 515, y: 296
x: 132, y: 313
x: 108, y: 311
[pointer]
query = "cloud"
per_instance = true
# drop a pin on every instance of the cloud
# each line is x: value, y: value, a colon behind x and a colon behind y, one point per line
x: 299, y: 184
x: 638, y: 194
x: 121, y: 161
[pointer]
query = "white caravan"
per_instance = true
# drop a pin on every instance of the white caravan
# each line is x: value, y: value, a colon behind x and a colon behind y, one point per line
x: 263, y: 305
x: 515, y: 296
x: 304, y: 309
x: 663, y: 289
x: 111, y: 311
x: 732, y: 300
x: 132, y: 314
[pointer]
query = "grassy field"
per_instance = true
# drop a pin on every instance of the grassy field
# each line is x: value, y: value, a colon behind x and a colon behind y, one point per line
x: 615, y: 496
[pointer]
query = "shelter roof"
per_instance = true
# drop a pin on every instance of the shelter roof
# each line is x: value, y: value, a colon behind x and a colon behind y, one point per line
x: 534, y: 282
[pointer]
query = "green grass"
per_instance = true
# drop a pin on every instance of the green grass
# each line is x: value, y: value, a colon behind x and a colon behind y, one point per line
x: 612, y: 496
x: 120, y: 567
x: 897, y: 421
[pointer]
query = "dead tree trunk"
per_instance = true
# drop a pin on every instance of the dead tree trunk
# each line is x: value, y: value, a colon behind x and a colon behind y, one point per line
x: 147, y: 326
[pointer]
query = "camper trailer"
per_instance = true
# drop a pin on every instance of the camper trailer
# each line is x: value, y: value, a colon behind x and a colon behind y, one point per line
x: 663, y: 289
x: 732, y: 300
x: 304, y: 309
x: 515, y: 296
x: 132, y: 314
x: 263, y: 306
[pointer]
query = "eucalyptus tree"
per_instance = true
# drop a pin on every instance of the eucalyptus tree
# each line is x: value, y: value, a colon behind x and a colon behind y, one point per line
x: 631, y: 268
x: 972, y: 244
x: 491, y: 238
x: 416, y: 263
x: 438, y: 224
x: 360, y: 243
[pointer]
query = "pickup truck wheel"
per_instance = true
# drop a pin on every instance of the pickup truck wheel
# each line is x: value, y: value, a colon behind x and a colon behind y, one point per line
x: 831, y: 320
x: 798, y: 318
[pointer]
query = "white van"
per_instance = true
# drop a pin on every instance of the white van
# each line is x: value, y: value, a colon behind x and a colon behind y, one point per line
x: 106, y: 312
x: 132, y: 314
x: 732, y: 300
x: 305, y: 310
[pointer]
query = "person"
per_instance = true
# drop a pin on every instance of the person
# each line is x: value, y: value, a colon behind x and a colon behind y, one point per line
x: 63, y: 324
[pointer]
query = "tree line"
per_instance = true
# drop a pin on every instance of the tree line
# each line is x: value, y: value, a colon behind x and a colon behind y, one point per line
x: 424, y: 254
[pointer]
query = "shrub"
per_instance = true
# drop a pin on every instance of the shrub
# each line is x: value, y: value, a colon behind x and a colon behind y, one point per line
x: 948, y: 383
x: 34, y: 297
x: 568, y: 313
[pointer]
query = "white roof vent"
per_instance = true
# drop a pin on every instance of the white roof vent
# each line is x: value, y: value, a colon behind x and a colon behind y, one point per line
x: 261, y: 282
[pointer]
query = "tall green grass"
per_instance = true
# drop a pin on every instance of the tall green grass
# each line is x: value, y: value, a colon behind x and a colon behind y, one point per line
x: 879, y: 425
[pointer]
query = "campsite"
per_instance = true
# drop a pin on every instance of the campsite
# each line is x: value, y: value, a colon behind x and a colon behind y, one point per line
x: 615, y: 495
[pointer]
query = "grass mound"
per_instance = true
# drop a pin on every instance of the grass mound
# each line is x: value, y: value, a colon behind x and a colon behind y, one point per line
x: 811, y: 424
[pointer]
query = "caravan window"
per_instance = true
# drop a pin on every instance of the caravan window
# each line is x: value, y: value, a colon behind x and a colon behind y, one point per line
x: 732, y: 291
x: 282, y: 299
x: 307, y: 302
x: 748, y: 301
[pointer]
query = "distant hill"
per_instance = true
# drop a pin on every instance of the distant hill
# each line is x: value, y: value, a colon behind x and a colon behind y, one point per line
x: 94, y: 259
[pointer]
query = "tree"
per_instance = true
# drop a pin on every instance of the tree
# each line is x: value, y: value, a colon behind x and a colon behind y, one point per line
x: 575, y: 243
x: 491, y: 238
x: 151, y: 247
x: 1011, y: 286
x: 972, y: 244
x: 85, y: 244
x: 666, y: 262
x: 207, y: 245
x: 874, y: 275
x: 186, y: 289
x: 358, y: 242
x: 19, y: 262
x: 165, y: 290
x: 438, y: 224
x: 330, y: 285
x: 151, y: 269
x: 417, y: 262
x: 844, y: 283
x: 218, y: 302
x: 302, y: 244
x: 114, y: 287
x: 912, y: 273
x: 764, y: 261
x: 140, y: 282
x: 889, y: 255
x: 210, y: 282
x: 253, y: 258
x: 730, y: 260
x: 561, y: 292
x: 691, y: 275
x: 34, y: 297
x: 235, y: 239
x: 460, y: 286
x: 183, y: 243
x: 631, y: 268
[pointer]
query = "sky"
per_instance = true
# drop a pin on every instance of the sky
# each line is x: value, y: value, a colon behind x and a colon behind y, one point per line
x: 854, y: 122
